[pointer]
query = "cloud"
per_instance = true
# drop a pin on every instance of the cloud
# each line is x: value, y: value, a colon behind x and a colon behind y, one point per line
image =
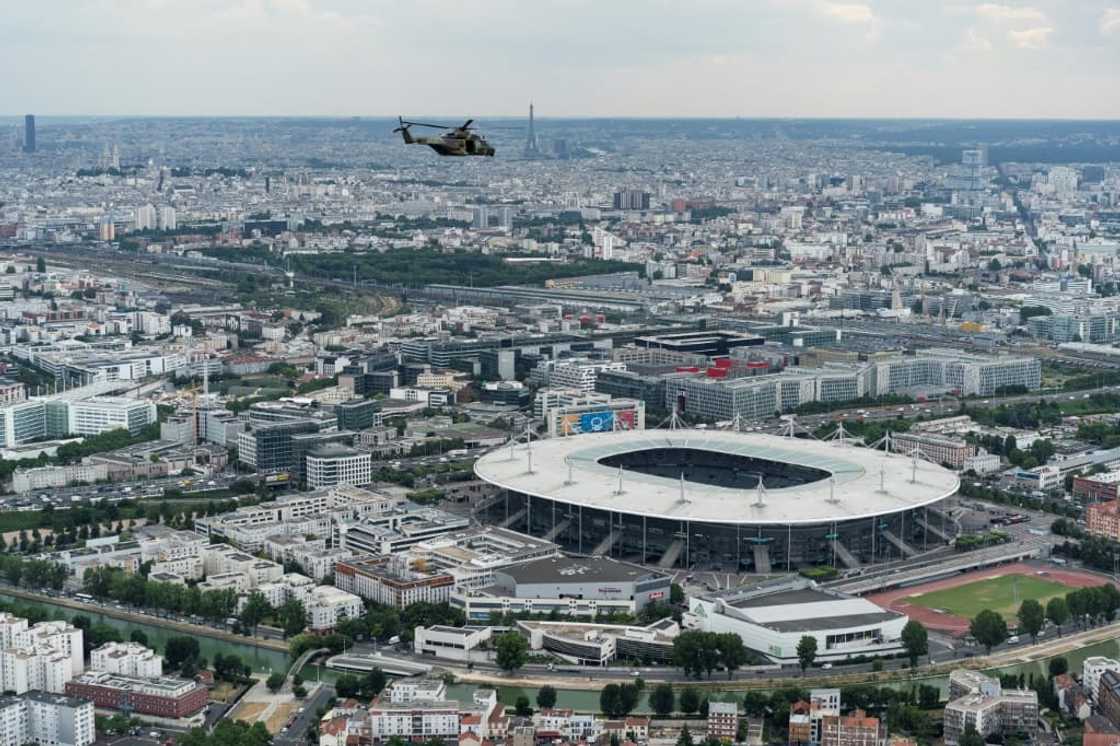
x: 974, y: 41
x: 854, y: 14
x: 1032, y: 38
x: 848, y: 12
x: 1010, y: 14
x: 1110, y: 22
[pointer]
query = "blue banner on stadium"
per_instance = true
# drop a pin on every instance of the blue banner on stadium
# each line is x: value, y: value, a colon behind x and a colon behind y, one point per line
x: 597, y: 422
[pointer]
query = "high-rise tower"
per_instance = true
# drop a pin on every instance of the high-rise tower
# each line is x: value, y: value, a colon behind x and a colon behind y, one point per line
x: 532, y: 147
x: 29, y: 133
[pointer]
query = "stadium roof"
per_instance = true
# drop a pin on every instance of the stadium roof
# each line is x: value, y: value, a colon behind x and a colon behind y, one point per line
x: 863, y: 483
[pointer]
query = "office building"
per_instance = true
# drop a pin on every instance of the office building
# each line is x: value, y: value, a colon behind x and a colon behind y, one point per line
x: 357, y: 415
x: 449, y: 643
x: 100, y: 414
x: 29, y: 142
x: 331, y: 465
x: 631, y: 199
x: 164, y: 697
x: 268, y: 448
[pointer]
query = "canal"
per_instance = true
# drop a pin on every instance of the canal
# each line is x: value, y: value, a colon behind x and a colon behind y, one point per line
x: 264, y: 660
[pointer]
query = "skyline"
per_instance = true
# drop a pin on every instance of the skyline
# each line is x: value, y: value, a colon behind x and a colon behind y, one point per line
x: 781, y: 59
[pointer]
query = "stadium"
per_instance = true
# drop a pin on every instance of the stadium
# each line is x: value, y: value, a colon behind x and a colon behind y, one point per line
x: 722, y: 501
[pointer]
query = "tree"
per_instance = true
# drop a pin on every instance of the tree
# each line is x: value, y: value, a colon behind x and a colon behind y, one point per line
x: 1031, y: 617
x: 522, y: 707
x: 610, y: 699
x: 806, y: 651
x: 662, y: 699
x: 1058, y: 666
x: 970, y: 737
x: 689, y: 700
x: 685, y: 738
x: 292, y: 617
x: 676, y: 594
x: 618, y: 700
x: 1057, y: 612
x: 40, y: 265
x: 994, y: 265
x: 372, y: 683
x: 511, y: 651
x: 299, y: 691
x: 346, y: 686
x: 988, y: 628
x: 275, y: 681
x: 732, y: 654
x: 138, y: 636
x: 546, y: 697
x: 180, y: 650
x: 697, y: 653
x: 256, y: 609
x: 755, y: 704
x: 916, y: 640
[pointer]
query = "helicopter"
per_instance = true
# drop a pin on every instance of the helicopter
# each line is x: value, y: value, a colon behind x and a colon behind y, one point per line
x: 456, y: 141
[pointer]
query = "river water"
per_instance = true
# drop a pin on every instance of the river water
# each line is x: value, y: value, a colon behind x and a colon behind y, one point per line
x: 265, y: 660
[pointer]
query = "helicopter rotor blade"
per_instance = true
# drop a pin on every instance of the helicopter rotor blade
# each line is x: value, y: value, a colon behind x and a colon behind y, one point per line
x: 425, y: 124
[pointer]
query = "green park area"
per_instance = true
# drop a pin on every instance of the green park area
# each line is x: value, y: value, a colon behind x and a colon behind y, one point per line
x: 1001, y: 594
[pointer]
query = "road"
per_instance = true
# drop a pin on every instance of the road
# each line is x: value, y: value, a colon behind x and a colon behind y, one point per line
x: 196, y: 487
x: 296, y: 733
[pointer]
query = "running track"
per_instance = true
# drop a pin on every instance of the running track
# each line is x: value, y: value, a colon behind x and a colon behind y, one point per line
x: 955, y: 625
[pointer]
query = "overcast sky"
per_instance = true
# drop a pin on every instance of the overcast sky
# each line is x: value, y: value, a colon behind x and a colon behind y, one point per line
x: 784, y: 58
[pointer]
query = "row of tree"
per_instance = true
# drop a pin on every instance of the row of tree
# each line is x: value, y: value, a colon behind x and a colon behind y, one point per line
x: 1081, y: 606
x: 701, y: 653
x: 136, y: 590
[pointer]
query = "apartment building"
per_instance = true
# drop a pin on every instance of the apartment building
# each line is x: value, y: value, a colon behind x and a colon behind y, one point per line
x: 856, y: 729
x: 984, y: 705
x: 47, y: 720
x: 723, y: 721
x: 384, y: 582
x: 936, y: 448
x: 1103, y: 519
x: 127, y: 659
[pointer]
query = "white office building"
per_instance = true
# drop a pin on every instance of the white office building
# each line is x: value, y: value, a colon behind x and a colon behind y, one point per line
x: 332, y: 465
x: 100, y: 414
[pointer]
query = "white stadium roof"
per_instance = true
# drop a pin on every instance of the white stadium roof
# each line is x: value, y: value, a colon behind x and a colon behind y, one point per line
x: 864, y: 482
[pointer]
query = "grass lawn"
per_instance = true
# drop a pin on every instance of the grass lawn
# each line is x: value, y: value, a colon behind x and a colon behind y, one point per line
x: 1002, y: 595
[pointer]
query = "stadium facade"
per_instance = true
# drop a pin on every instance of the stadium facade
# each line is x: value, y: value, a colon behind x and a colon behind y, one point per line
x: 728, y: 501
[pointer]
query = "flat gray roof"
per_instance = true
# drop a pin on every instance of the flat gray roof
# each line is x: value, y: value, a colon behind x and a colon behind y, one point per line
x: 863, y: 483
x: 577, y: 570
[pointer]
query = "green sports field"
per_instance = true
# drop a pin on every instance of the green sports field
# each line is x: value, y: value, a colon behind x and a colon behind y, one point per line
x: 1002, y: 594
